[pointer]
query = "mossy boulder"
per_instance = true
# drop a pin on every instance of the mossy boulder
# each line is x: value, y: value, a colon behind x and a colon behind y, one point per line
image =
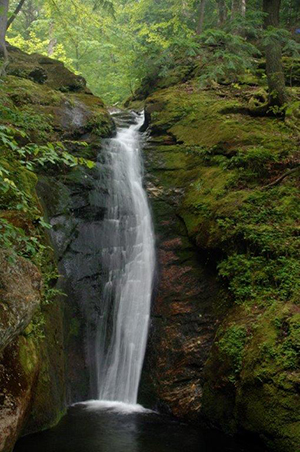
x: 255, y: 364
x: 44, y: 71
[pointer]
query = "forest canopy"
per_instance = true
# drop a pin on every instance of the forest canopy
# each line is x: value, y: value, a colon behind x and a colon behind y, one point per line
x: 114, y: 44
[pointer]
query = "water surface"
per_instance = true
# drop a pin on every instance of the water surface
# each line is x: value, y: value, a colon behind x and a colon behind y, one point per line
x: 95, y: 428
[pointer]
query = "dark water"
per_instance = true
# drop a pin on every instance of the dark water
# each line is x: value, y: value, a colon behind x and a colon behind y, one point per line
x: 95, y: 430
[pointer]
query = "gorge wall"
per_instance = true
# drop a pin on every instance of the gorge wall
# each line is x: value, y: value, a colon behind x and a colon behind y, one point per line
x: 224, y: 341
x: 43, y: 365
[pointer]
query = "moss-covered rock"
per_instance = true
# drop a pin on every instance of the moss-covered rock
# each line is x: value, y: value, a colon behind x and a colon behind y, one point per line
x: 258, y: 370
x: 44, y: 71
x: 219, y: 168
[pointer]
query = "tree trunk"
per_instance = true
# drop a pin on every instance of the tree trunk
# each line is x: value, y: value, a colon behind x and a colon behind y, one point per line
x: 3, y: 26
x: 77, y: 57
x: 31, y: 12
x: 15, y: 13
x: 52, y: 40
x: 275, y: 75
x: 201, y: 17
x: 222, y: 12
x: 243, y: 8
x: 238, y: 8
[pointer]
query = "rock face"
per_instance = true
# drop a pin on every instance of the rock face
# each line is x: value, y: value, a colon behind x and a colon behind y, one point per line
x: 75, y: 212
x: 74, y: 204
x: 224, y: 341
x: 184, y: 320
x: 20, y: 284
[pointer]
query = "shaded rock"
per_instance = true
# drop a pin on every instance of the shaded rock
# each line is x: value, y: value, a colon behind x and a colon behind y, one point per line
x: 48, y: 401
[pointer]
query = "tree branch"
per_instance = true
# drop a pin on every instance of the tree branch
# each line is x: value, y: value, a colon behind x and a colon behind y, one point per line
x: 279, y: 179
x: 15, y: 13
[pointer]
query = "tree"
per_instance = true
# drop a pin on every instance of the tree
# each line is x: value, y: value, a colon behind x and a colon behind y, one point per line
x: 15, y: 13
x: 238, y: 8
x: 201, y: 17
x: 222, y: 12
x: 3, y: 27
x: 274, y: 68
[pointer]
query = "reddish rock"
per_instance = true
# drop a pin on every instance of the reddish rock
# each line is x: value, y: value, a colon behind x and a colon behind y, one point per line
x: 183, y: 319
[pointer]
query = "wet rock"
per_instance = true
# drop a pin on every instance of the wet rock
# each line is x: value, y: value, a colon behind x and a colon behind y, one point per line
x: 183, y: 320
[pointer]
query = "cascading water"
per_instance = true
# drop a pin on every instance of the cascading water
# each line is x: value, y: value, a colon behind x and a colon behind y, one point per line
x: 128, y: 260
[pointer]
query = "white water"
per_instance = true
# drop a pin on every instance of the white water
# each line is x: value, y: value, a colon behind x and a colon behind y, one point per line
x: 128, y: 260
x: 114, y: 407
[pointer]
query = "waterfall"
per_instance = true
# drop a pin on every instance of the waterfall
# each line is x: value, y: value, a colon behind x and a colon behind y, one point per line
x: 128, y: 260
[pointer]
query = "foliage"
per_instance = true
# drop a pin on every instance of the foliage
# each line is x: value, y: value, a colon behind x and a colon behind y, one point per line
x: 18, y: 166
x: 273, y: 35
x: 261, y: 279
x: 231, y: 346
x: 114, y: 45
x: 18, y: 242
x: 231, y: 56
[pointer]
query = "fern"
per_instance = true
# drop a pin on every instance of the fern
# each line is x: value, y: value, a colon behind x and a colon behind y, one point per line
x: 232, y: 56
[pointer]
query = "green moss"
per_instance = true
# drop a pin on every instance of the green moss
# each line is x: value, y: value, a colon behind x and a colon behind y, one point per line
x: 203, y: 118
x: 100, y: 124
x: 292, y: 116
x: 74, y: 327
x: 22, y: 91
x: 47, y: 411
x: 28, y: 355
